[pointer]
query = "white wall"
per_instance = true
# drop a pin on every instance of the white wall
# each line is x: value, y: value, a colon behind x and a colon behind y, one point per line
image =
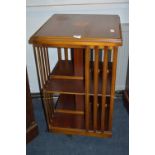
x: 39, y: 11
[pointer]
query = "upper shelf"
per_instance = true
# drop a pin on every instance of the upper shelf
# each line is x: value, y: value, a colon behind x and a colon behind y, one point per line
x: 80, y: 29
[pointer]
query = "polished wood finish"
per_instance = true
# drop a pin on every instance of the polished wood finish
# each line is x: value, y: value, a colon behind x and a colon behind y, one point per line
x: 65, y: 70
x: 47, y: 60
x: 71, y: 131
x: 112, y: 93
x: 71, y: 86
x: 31, y: 125
x: 96, y: 69
x: 93, y: 29
x: 87, y: 88
x: 85, y: 85
x: 67, y: 104
x: 104, y: 86
x: 38, y: 67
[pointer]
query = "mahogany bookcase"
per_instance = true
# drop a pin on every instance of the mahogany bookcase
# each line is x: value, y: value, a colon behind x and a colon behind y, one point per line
x: 83, y: 82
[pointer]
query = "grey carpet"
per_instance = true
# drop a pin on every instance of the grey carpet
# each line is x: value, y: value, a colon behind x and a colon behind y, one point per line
x: 58, y: 144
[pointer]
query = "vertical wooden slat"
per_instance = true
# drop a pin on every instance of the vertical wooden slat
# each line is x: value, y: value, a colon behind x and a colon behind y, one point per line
x: 104, y: 84
x: 66, y: 53
x: 42, y: 64
x: 96, y: 64
x: 59, y: 54
x: 36, y: 56
x: 48, y: 63
x: 112, y: 93
x: 87, y: 88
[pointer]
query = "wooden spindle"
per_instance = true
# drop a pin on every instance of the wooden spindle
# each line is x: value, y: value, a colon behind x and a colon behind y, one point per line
x: 36, y: 56
x: 104, y: 86
x: 66, y: 53
x: 112, y: 93
x: 59, y: 54
x: 96, y: 64
x: 87, y: 88
x: 42, y: 65
x: 48, y: 63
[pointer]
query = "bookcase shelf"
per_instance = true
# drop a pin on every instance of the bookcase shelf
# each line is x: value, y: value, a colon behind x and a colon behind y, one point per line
x: 67, y: 116
x: 75, y: 86
x: 85, y: 81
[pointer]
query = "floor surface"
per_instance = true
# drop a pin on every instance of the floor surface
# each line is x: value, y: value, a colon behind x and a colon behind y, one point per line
x: 58, y: 144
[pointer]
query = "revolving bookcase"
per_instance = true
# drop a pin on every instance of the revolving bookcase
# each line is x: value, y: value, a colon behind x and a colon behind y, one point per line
x: 83, y: 77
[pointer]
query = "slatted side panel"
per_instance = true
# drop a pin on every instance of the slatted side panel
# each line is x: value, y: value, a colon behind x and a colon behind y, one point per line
x: 87, y: 88
x: 42, y: 64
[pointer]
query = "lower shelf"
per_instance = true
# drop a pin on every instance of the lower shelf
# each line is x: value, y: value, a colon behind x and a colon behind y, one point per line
x: 66, y: 104
x: 64, y: 119
x: 63, y: 80
x: 66, y: 86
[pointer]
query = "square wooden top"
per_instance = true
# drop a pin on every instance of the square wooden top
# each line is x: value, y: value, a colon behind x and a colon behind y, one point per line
x: 80, y: 29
